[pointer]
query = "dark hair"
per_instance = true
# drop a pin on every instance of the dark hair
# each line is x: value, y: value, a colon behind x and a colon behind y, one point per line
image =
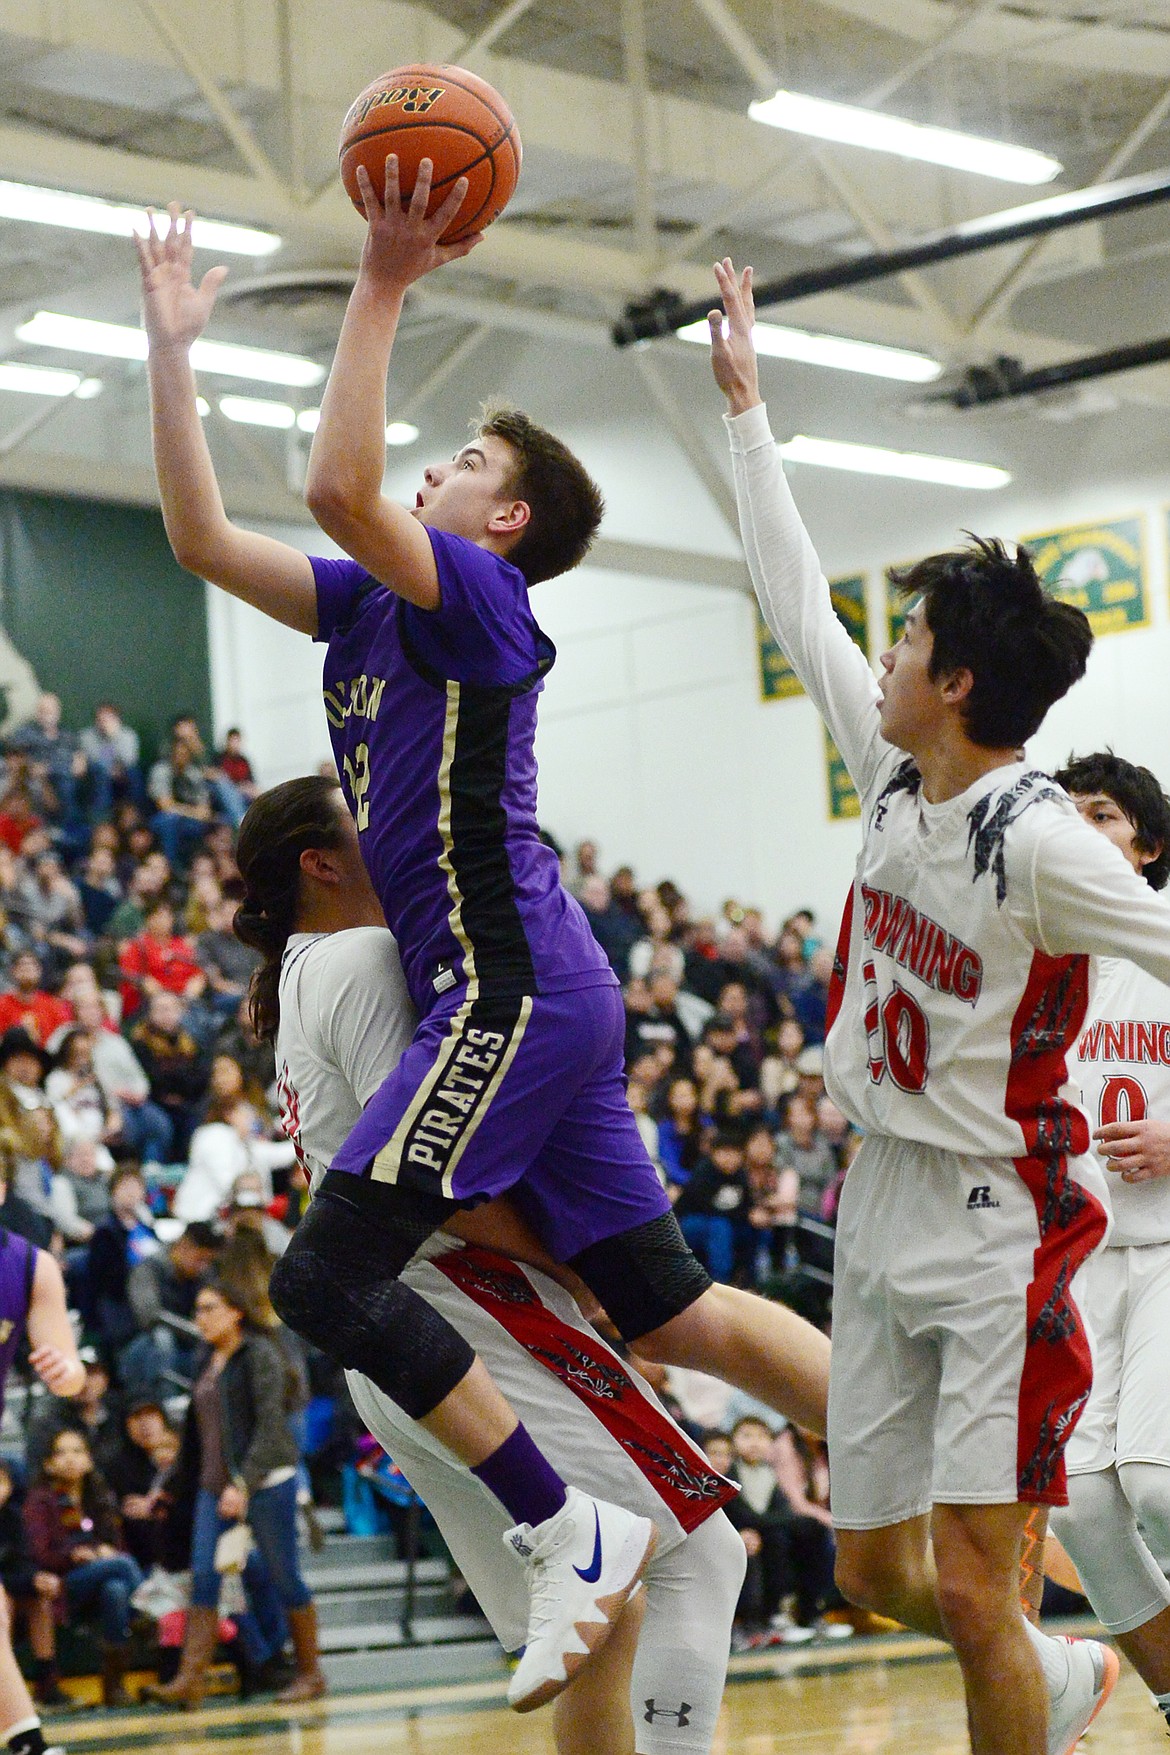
x: 1133, y: 790
x: 202, y: 1233
x: 990, y: 614
x: 752, y: 1420
x: 565, y: 502
x: 278, y: 827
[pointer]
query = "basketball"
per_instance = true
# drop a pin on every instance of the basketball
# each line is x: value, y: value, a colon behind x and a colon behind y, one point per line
x: 445, y: 114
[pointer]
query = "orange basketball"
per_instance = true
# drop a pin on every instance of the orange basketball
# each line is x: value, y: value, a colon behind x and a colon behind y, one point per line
x: 445, y: 114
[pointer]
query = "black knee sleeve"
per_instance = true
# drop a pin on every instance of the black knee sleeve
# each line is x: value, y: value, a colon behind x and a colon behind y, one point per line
x: 337, y: 1285
x: 644, y: 1276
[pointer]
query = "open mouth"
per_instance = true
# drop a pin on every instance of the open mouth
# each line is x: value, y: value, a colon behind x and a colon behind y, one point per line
x: 418, y: 501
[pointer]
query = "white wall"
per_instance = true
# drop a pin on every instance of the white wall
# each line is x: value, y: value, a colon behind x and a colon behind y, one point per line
x: 653, y: 737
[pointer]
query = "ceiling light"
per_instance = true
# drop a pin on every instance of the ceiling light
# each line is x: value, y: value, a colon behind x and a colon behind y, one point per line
x: 839, y: 351
x: 38, y: 380
x: 203, y: 407
x: 88, y: 213
x: 401, y: 432
x: 252, y: 412
x: 909, y: 465
x: 121, y: 341
x: 308, y: 419
x: 854, y: 126
x: 88, y: 389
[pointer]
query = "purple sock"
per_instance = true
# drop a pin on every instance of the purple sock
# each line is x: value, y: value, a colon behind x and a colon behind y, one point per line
x: 526, y: 1485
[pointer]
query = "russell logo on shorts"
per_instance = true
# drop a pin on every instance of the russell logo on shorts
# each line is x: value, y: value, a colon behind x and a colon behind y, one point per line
x: 979, y: 1200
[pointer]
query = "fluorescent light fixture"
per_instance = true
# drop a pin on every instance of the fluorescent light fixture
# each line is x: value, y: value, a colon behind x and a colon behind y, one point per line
x: 88, y: 389
x: 252, y: 412
x: 89, y: 213
x: 401, y: 432
x: 839, y: 351
x: 120, y: 341
x: 908, y: 465
x: 38, y: 380
x: 203, y: 407
x: 854, y: 126
x: 308, y: 419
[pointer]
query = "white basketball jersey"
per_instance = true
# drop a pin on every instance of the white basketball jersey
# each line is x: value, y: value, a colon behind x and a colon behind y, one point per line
x: 1123, y: 1062
x: 962, y: 980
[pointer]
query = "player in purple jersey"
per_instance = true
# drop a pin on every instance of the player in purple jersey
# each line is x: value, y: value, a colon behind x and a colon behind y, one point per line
x: 32, y: 1304
x: 514, y: 1078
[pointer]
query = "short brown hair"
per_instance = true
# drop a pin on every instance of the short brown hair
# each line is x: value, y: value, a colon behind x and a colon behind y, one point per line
x: 565, y: 502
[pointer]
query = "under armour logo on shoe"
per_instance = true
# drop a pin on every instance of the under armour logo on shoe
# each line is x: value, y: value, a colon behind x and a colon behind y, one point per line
x: 979, y: 1200
x: 680, y: 1714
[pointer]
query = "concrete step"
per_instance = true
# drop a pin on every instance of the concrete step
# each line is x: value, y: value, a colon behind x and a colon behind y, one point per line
x: 368, y: 1607
x: 371, y: 1575
x: 408, y: 1666
x: 387, y: 1635
x: 346, y: 1550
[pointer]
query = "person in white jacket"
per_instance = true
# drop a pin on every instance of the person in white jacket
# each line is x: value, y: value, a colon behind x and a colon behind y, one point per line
x: 221, y: 1151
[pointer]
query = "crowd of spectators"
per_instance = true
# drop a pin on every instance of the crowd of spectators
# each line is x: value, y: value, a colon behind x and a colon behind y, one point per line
x: 140, y: 1140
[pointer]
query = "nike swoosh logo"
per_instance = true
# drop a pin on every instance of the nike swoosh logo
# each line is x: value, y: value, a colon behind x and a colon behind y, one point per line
x: 591, y: 1573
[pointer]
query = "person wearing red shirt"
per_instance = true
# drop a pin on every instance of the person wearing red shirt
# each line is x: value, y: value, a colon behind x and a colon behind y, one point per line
x: 158, y: 961
x: 29, y: 1007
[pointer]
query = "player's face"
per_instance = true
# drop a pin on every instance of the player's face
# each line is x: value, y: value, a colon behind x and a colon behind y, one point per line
x: 462, y: 497
x: 1105, y: 815
x: 913, y: 702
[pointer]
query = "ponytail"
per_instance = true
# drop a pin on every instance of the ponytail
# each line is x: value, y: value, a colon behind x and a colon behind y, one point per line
x: 278, y: 827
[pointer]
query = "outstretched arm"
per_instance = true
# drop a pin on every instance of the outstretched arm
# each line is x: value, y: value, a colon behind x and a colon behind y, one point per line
x: 270, y: 575
x: 53, y: 1350
x: 792, y: 590
x: 344, y: 484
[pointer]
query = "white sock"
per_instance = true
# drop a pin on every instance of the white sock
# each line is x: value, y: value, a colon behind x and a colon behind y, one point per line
x: 1054, y: 1660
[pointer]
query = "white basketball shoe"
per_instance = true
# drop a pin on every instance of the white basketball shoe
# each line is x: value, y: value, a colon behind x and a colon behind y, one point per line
x: 1093, y: 1671
x: 583, y: 1565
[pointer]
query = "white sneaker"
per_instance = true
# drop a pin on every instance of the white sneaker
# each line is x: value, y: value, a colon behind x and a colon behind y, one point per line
x: 1093, y: 1670
x: 583, y: 1565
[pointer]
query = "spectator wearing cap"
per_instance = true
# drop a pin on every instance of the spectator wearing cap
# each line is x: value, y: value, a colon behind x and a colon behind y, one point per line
x: 175, y: 1065
x: 29, y: 1006
x: 162, y: 1289
x: 24, y: 1066
x: 119, y: 1242
x: 159, y: 960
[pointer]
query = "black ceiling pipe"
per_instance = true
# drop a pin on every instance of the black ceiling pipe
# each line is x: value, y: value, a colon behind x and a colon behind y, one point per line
x: 665, y: 312
x: 1005, y: 378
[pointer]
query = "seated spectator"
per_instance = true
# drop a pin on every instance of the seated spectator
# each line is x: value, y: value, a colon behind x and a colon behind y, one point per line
x: 812, y: 1006
x: 719, y: 1092
x: 227, y: 798
x: 778, y: 1074
x: 746, y: 1014
x: 29, y: 1006
x: 110, y: 748
x: 95, y: 1413
x: 764, y: 1518
x: 39, y: 1153
x: 82, y: 1108
x: 796, y: 1552
x: 713, y: 1209
x: 638, y: 1098
x: 33, y: 1591
x: 15, y: 1213
x: 615, y: 930
x: 119, y: 1242
x: 146, y: 1133
x: 175, y: 1065
x: 220, y: 1152
x: 775, y: 1192
x: 233, y: 765
x: 158, y: 961
x: 732, y: 1042
x: 137, y: 1474
x: 226, y: 1087
x: 162, y: 1289
x: 24, y: 803
x: 256, y: 1057
x: 248, y: 1211
x: 73, y: 1531
x: 80, y: 1196
x: 147, y: 883
x: 680, y: 1132
x: 204, y: 896
x: 804, y: 1149
x: 656, y: 1021
x: 24, y: 1066
x: 54, y: 753
x: 585, y: 867
x: 48, y: 908
x: 99, y: 891
x: 182, y: 798
x: 227, y: 963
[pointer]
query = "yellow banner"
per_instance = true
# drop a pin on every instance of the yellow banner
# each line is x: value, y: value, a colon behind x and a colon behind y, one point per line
x: 843, y: 799
x: 1101, y: 568
x: 778, y: 680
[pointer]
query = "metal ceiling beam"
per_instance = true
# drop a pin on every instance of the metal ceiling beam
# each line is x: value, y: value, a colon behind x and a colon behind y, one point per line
x: 1006, y: 379
x: 1031, y: 220
x: 417, y: 398
x: 475, y: 44
x: 230, y: 121
x: 726, y: 26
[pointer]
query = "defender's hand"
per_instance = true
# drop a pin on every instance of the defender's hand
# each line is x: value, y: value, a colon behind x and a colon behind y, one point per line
x: 1137, y: 1151
x: 403, y: 245
x: 175, y: 310
x: 733, y: 353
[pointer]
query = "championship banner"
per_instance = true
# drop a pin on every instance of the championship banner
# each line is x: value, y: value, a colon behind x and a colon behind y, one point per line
x: 778, y: 680
x: 1100, y: 568
x: 843, y: 799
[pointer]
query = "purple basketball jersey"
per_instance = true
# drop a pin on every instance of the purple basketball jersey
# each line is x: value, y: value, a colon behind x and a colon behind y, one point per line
x: 432, y: 716
x: 18, y: 1261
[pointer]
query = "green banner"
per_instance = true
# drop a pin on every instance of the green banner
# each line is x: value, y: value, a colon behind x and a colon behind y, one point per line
x: 843, y: 799
x: 1101, y: 568
x: 778, y: 680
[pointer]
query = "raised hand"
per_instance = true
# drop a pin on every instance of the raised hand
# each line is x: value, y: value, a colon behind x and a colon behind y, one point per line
x: 733, y: 353
x: 176, y: 311
x: 402, y: 244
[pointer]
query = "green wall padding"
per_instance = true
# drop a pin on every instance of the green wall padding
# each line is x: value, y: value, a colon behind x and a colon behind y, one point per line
x: 92, y: 596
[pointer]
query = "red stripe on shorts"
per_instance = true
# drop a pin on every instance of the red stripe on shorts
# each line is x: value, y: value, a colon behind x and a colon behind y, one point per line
x: 1058, y: 1367
x: 680, y: 1476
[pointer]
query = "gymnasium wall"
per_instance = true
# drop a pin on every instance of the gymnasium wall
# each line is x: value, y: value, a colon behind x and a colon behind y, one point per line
x: 654, y: 739
x: 91, y: 596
